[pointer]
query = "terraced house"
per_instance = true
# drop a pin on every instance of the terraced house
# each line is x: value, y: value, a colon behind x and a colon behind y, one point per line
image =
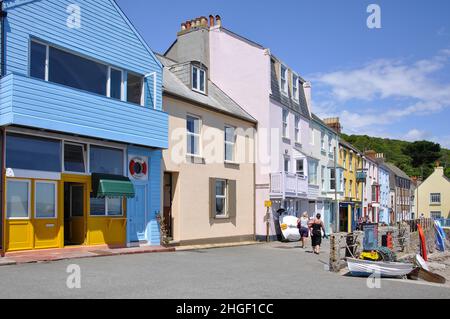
x: 288, y: 169
x: 208, y: 167
x: 82, y: 127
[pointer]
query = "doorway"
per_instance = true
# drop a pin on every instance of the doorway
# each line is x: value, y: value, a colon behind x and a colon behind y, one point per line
x: 343, y: 219
x: 168, y: 199
x: 74, y: 214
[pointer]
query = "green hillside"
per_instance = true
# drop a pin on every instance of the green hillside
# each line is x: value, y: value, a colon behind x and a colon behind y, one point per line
x: 415, y: 159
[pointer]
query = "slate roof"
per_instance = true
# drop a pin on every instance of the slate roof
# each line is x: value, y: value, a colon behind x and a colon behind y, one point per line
x: 397, y: 171
x: 177, y: 81
x: 288, y: 101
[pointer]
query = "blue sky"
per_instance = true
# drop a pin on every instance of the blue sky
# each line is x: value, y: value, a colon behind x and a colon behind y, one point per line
x: 389, y: 82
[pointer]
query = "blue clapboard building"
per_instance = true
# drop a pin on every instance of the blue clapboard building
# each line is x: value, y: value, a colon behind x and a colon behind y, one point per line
x: 82, y: 127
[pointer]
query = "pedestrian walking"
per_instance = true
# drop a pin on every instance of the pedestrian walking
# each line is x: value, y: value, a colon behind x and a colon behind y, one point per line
x: 303, y: 227
x: 316, y: 233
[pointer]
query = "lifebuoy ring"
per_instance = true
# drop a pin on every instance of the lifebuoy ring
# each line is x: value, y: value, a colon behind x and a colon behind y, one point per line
x: 138, y: 167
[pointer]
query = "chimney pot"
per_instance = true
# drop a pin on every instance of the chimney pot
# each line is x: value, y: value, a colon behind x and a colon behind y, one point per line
x: 197, y: 22
x: 218, y: 20
x: 211, y: 21
x: 183, y: 26
x: 188, y: 25
x: 204, y: 21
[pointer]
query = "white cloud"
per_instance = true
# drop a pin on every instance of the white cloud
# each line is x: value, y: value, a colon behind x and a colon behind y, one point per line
x: 417, y: 135
x: 411, y: 88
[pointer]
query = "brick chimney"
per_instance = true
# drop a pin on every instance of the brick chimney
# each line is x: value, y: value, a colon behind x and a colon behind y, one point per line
x: 334, y: 123
x: 371, y: 154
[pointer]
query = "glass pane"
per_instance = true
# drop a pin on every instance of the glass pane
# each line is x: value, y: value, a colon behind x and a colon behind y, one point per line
x: 202, y: 80
x: 74, y: 158
x: 229, y: 152
x: 134, y: 88
x: 77, y: 72
x: 220, y: 206
x: 45, y: 200
x: 77, y: 201
x: 193, y: 125
x: 116, y: 84
x: 37, y: 63
x: 17, y: 199
x: 229, y: 134
x: 114, y: 206
x: 33, y: 153
x: 220, y: 188
x: 195, y: 78
x: 106, y: 160
x: 98, y: 207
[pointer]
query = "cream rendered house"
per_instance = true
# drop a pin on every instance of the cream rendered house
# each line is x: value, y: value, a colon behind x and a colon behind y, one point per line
x: 208, y: 191
x: 433, y: 196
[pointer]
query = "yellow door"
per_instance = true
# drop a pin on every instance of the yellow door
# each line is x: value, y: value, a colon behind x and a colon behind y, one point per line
x: 32, y: 214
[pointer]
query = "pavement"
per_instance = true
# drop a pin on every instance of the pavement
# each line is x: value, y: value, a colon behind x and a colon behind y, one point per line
x: 267, y: 271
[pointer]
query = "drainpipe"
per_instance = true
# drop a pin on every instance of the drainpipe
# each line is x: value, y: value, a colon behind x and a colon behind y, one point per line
x: 2, y: 39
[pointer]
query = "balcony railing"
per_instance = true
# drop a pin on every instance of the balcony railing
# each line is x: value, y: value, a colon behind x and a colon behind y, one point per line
x: 288, y: 185
x: 44, y: 105
x: 361, y: 175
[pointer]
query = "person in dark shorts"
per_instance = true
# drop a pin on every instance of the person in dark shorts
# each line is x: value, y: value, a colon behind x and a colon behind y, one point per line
x: 303, y: 227
x: 316, y: 233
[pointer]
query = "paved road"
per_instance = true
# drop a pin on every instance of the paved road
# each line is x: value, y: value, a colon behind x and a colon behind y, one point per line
x: 261, y: 271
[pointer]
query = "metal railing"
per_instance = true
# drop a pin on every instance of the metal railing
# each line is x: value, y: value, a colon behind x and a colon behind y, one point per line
x: 284, y: 185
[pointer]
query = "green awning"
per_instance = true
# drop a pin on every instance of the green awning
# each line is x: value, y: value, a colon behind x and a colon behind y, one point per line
x: 105, y: 185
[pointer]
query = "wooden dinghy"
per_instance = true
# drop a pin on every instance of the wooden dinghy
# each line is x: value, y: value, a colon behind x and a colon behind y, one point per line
x: 365, y: 268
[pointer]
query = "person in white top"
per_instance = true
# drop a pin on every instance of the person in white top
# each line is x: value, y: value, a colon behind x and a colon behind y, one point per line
x: 303, y: 227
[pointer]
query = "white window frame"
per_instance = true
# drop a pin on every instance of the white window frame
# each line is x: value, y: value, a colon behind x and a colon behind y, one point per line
x: 295, y: 87
x: 233, y: 144
x: 56, y: 199
x: 330, y: 145
x: 199, y: 70
x: 285, y: 123
x: 109, y: 67
x: 350, y: 162
x: 322, y: 177
x: 85, y: 156
x: 322, y: 141
x: 284, y: 79
x: 350, y: 188
x: 142, y: 85
x: 106, y: 208
x: 225, y: 197
x: 28, y: 181
x: 436, y: 212
x: 311, y: 137
x: 435, y: 195
x: 199, y: 134
x: 296, y: 167
x: 333, y: 179
x: 287, y: 159
x: 108, y: 83
x: 297, y: 129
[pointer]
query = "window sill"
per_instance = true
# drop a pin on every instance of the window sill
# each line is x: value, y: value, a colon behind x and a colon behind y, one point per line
x: 233, y: 165
x: 221, y: 217
x: 435, y: 204
x: 298, y: 145
x: 195, y: 159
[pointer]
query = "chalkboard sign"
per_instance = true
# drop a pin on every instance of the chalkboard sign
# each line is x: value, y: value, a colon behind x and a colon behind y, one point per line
x: 370, y: 236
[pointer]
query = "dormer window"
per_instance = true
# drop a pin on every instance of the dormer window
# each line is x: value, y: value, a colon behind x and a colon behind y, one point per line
x: 284, y: 83
x: 295, y: 87
x: 198, y: 79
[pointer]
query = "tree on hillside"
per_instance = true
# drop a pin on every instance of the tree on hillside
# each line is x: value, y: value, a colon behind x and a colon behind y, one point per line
x: 423, y: 154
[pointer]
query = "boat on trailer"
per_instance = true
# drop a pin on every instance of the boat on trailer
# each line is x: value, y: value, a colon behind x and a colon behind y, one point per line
x: 365, y: 268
